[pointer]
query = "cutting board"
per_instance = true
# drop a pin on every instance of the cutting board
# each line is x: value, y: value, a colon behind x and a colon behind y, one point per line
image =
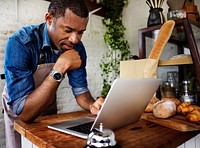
x: 176, y: 122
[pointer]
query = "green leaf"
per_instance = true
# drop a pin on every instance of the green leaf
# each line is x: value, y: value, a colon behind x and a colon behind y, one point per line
x: 118, y: 47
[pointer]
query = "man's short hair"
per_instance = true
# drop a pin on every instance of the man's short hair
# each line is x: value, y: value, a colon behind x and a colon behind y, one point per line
x: 58, y: 7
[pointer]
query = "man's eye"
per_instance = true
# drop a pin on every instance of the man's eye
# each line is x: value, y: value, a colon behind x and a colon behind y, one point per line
x: 68, y: 30
x: 81, y: 32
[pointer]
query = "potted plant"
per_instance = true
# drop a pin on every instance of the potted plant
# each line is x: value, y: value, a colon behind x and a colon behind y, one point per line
x: 118, y: 47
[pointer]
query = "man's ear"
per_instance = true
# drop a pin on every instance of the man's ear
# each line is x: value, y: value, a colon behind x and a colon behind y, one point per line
x: 48, y: 18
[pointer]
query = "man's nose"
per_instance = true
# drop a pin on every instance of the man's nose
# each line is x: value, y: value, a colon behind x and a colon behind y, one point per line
x: 74, y: 38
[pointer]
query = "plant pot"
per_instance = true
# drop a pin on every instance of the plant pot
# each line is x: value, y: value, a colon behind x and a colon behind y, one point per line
x: 156, y: 17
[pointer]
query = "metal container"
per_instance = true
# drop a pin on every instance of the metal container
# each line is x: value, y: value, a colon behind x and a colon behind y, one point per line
x: 101, y: 137
x: 187, y: 94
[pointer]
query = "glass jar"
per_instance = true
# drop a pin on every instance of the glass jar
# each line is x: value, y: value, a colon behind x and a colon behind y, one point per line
x: 173, y: 79
x: 167, y: 91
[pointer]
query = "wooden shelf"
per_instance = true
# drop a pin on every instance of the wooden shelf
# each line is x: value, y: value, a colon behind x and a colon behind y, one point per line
x: 185, y: 34
x: 92, y: 5
x: 174, y: 62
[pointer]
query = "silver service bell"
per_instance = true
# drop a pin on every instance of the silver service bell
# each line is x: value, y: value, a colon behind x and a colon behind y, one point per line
x: 101, y: 137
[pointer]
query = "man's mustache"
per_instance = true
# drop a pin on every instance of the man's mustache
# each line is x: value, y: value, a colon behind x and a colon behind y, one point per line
x: 69, y: 45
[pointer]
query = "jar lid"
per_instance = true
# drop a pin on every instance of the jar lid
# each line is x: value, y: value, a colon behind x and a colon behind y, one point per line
x: 166, y: 83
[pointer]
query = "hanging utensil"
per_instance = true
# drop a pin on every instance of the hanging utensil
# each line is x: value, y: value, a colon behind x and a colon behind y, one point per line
x: 148, y: 4
x: 152, y: 3
x: 156, y: 3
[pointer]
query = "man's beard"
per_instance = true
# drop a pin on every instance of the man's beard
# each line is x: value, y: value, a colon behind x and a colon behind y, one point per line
x: 63, y: 49
x: 63, y: 45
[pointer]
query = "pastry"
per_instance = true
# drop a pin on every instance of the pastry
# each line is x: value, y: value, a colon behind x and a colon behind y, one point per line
x: 189, y: 109
x: 181, y: 106
x: 193, y: 116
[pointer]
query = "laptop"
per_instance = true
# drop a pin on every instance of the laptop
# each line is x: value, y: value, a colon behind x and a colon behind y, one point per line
x: 124, y: 105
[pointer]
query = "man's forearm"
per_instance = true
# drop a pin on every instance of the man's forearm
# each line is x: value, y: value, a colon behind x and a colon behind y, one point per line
x: 85, y: 100
x: 39, y: 99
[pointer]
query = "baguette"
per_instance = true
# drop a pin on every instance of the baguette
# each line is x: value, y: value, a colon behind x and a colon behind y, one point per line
x: 163, y: 37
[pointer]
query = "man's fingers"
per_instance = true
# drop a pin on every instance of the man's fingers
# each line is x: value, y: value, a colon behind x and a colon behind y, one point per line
x: 94, y: 110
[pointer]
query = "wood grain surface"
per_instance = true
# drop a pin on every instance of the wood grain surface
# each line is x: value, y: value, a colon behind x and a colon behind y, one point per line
x: 176, y: 122
x: 138, y: 135
x: 174, y: 62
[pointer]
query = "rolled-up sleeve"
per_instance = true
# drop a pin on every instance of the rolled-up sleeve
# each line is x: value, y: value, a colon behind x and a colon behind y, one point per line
x: 78, y: 91
x: 18, y: 105
x: 78, y: 77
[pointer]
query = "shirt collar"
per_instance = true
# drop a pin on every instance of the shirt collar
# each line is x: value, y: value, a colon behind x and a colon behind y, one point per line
x: 45, y: 36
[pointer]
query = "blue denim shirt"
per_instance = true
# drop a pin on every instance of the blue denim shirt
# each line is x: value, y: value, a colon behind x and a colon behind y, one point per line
x: 22, y: 56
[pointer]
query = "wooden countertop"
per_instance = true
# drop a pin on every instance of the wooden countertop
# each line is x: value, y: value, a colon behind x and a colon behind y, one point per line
x: 141, y: 134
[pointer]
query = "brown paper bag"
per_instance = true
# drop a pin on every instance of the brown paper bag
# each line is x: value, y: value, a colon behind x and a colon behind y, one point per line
x: 147, y: 68
x: 143, y: 68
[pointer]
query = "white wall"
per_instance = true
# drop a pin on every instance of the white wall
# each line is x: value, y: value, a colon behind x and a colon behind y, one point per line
x: 24, y: 12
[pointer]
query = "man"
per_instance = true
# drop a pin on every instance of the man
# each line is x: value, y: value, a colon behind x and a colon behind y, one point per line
x: 36, y: 61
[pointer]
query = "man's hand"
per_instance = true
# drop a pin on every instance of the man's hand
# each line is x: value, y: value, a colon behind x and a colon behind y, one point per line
x: 96, y: 106
x: 87, y: 102
x: 68, y: 60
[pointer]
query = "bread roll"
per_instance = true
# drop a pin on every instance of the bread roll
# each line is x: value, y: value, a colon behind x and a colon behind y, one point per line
x: 164, y: 109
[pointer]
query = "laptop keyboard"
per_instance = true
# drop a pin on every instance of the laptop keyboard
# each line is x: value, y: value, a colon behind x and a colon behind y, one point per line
x: 83, y: 128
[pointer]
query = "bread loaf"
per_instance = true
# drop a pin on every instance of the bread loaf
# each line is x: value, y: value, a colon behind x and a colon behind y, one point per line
x: 164, y: 109
x: 175, y: 100
x: 163, y: 37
